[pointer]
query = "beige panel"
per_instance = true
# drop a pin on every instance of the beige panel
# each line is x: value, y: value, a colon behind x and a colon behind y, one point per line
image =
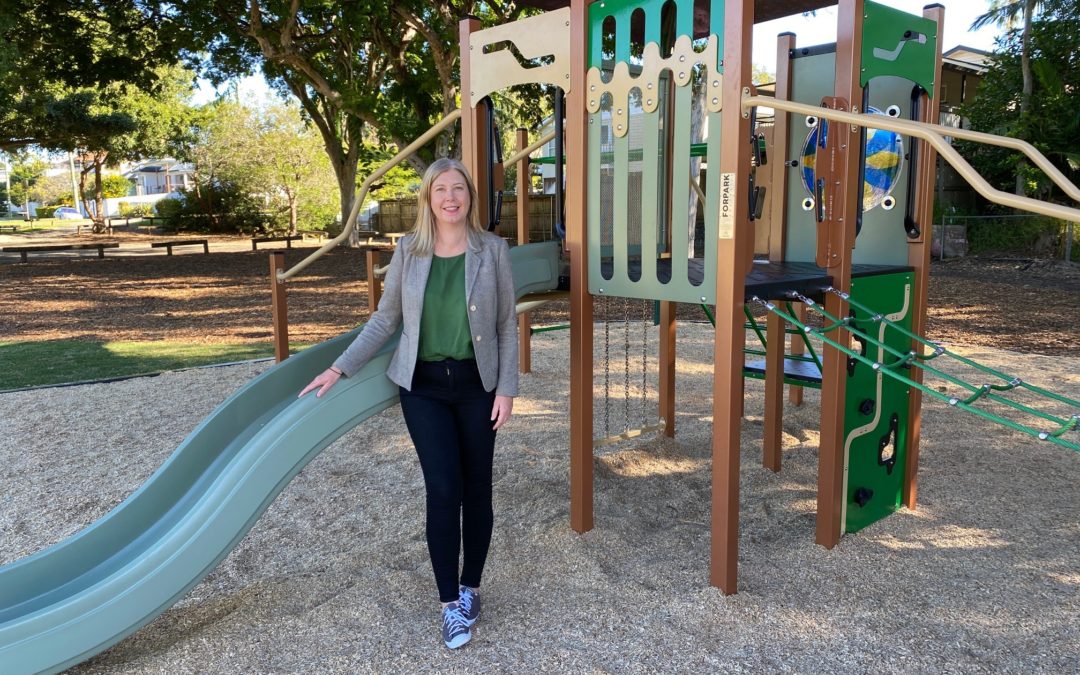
x: 680, y: 63
x: 538, y: 36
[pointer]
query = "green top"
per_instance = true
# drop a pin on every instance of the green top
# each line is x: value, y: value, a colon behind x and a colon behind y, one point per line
x: 444, y: 323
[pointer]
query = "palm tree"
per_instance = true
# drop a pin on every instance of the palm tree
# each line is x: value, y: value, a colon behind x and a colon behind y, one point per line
x: 1006, y: 13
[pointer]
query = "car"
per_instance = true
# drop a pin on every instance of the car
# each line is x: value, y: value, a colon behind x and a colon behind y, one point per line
x: 67, y: 213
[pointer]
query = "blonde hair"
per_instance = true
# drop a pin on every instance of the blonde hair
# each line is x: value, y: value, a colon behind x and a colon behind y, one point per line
x: 423, y: 243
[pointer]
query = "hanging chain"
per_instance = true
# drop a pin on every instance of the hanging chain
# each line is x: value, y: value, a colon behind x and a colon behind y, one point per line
x: 646, y: 314
x: 626, y: 361
x: 607, y: 367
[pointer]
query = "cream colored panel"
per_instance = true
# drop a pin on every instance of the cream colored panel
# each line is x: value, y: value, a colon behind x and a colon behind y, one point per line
x: 680, y: 63
x: 546, y: 34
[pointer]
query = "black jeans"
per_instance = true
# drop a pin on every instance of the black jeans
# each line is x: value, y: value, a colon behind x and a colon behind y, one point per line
x: 449, y: 418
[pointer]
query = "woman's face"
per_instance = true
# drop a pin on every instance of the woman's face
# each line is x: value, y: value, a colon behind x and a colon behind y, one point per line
x: 450, y: 198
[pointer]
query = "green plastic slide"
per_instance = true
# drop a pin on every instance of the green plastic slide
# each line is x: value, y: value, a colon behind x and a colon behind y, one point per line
x: 73, y: 600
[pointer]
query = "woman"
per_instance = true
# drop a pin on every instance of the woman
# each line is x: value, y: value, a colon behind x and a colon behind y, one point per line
x: 450, y: 287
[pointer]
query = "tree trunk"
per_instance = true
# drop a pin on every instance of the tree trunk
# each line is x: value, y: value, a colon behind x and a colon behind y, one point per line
x: 294, y: 204
x: 99, y: 195
x: 1029, y: 87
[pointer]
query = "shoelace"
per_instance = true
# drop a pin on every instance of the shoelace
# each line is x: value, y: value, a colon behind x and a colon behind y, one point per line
x: 465, y: 599
x: 454, y: 620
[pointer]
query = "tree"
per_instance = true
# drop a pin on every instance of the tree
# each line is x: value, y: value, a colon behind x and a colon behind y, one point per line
x: 270, y: 154
x: 122, y: 122
x: 26, y: 171
x: 1007, y: 13
x: 53, y: 50
x: 1051, y: 121
x: 390, y: 66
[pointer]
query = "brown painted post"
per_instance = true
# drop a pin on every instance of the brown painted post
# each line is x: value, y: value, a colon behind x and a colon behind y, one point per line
x: 474, y: 138
x: 374, y: 284
x: 730, y: 336
x: 667, y: 366
x: 279, y: 307
x: 919, y: 258
x: 841, y: 171
x: 778, y: 168
x: 774, y: 391
x: 524, y: 320
x: 581, y: 303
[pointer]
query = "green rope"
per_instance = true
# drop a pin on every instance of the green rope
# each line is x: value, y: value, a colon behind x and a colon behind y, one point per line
x: 1013, y: 382
x: 939, y: 373
x: 1053, y: 437
x: 752, y: 323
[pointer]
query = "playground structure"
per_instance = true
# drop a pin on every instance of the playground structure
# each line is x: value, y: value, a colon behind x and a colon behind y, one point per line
x: 857, y: 113
x: 630, y: 71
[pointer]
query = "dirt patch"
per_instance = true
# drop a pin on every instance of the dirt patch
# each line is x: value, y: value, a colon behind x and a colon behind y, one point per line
x: 1021, y: 305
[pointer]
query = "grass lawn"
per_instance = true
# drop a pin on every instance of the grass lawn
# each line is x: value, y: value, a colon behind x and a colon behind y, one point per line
x: 29, y: 364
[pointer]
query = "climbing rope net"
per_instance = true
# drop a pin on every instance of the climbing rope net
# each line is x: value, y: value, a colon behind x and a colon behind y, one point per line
x: 1063, y: 430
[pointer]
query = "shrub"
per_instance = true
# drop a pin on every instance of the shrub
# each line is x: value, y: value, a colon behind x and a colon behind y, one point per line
x: 169, y: 208
x: 1037, y: 234
x: 139, y: 209
x: 47, y: 211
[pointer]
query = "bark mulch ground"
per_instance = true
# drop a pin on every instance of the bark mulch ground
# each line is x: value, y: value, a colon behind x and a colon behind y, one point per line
x: 1027, y: 306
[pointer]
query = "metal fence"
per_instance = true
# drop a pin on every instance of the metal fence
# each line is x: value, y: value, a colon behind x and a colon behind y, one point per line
x: 952, y: 238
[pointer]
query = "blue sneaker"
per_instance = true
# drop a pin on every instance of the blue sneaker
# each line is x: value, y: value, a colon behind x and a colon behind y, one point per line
x: 455, y: 627
x: 469, y: 601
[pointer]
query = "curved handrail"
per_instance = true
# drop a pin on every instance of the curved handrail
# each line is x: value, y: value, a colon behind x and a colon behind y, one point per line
x: 934, y: 134
x: 361, y: 193
x: 528, y: 150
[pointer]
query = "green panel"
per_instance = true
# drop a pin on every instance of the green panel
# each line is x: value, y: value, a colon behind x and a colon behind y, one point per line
x: 634, y: 168
x: 876, y: 406
x: 900, y: 44
x: 882, y: 240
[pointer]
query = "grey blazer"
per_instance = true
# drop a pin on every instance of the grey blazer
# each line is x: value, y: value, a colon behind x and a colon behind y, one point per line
x: 489, y: 296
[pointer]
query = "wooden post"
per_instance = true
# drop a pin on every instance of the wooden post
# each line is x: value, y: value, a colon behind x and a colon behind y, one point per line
x: 730, y: 337
x: 279, y: 307
x: 919, y: 258
x: 524, y: 320
x: 374, y: 284
x: 667, y: 366
x: 839, y: 165
x: 581, y: 303
x: 778, y: 168
x: 474, y: 135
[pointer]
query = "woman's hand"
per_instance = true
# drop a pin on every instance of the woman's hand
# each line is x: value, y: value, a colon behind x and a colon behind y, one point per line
x: 500, y: 412
x: 324, y: 381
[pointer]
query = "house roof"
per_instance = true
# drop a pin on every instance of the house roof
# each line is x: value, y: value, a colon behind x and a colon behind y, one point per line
x: 764, y: 10
x: 967, y: 58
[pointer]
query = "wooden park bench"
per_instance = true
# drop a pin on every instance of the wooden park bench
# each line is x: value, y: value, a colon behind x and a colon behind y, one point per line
x: 39, y: 248
x: 168, y: 245
x: 255, y: 241
x: 13, y: 228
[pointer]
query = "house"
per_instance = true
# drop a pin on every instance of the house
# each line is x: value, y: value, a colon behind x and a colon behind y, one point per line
x: 160, y: 176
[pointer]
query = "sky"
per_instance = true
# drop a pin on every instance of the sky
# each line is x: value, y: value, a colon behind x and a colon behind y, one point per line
x: 819, y: 29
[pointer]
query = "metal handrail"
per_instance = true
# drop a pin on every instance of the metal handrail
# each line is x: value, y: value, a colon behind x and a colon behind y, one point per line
x: 361, y: 193
x: 934, y: 135
x: 512, y: 159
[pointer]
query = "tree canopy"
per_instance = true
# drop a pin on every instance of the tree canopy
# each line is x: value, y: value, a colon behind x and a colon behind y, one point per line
x: 1051, y: 118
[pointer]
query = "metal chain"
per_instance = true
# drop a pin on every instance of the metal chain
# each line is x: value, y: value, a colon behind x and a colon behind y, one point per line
x: 607, y: 368
x: 645, y: 316
x: 626, y: 361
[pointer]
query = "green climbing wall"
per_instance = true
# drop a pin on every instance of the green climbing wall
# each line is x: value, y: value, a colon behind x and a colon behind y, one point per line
x: 876, y: 407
